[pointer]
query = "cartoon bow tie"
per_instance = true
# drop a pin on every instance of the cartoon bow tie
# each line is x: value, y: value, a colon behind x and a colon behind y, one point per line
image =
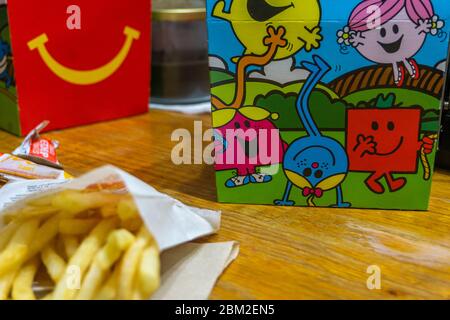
x: 311, y: 191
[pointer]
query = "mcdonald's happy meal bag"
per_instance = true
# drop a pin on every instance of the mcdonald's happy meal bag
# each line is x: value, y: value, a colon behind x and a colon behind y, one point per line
x: 72, y: 62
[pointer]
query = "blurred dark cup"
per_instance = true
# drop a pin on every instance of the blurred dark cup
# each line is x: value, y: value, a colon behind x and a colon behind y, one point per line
x: 179, y: 52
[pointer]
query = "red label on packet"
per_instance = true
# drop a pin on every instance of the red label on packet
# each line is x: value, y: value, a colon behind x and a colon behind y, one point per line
x: 43, y: 148
x: 37, y: 149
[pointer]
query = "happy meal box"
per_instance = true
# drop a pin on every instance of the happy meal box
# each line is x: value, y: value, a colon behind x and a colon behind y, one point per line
x: 327, y: 103
x: 72, y: 62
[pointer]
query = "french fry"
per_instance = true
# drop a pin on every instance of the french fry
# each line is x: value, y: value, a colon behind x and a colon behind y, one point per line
x: 71, y: 245
x: 126, y: 209
x: 14, y: 255
x: 6, y: 234
x: 76, y: 227
x: 6, y: 282
x: 93, y: 279
x: 109, y: 289
x: 12, y: 258
x: 129, y: 266
x: 29, y: 213
x: 23, y: 283
x: 137, y: 295
x: 46, y: 233
x: 149, y: 269
x: 75, y: 201
x: 42, y: 201
x: 132, y: 225
x: 16, y: 251
x: 109, y: 210
x: 54, y: 264
x: 118, y: 241
x: 83, y: 258
x: 93, y: 244
x: 59, y: 247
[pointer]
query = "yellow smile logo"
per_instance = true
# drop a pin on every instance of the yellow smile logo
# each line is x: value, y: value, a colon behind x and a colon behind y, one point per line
x: 84, y: 77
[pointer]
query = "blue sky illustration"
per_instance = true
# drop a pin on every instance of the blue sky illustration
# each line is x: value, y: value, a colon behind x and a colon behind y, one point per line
x: 335, y: 14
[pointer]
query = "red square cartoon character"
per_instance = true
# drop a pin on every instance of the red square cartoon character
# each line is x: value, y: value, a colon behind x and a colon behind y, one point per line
x: 385, y: 141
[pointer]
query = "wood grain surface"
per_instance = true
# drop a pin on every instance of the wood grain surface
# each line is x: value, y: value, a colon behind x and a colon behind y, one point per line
x: 286, y: 253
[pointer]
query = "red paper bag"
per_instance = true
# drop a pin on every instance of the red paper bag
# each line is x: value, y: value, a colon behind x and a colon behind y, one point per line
x: 79, y: 61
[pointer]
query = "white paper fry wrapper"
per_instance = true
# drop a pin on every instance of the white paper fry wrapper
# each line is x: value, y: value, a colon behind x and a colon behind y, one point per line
x: 12, y: 193
x: 170, y: 221
x: 189, y: 271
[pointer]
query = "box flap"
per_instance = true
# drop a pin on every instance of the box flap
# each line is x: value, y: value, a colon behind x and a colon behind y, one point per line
x: 312, y: 10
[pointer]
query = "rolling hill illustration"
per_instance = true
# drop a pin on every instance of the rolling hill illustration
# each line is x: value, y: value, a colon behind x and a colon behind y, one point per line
x: 329, y: 102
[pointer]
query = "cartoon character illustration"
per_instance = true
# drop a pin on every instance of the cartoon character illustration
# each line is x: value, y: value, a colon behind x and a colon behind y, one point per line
x: 246, y: 123
x: 300, y: 18
x: 314, y: 163
x: 5, y: 51
x: 384, y: 141
x: 391, y: 32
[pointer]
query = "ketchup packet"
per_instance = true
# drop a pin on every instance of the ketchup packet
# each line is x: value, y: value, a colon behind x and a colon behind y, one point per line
x: 38, y: 149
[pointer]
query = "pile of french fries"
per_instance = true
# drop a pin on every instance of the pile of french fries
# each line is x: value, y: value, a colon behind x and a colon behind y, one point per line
x: 83, y: 245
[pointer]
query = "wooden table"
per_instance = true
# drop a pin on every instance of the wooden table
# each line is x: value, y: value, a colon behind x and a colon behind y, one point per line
x: 286, y: 253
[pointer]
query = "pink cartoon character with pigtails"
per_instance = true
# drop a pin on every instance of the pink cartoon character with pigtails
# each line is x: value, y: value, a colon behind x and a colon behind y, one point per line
x: 391, y: 32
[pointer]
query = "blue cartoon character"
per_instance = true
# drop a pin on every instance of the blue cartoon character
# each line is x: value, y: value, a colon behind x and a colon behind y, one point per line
x: 5, y: 51
x: 314, y: 163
